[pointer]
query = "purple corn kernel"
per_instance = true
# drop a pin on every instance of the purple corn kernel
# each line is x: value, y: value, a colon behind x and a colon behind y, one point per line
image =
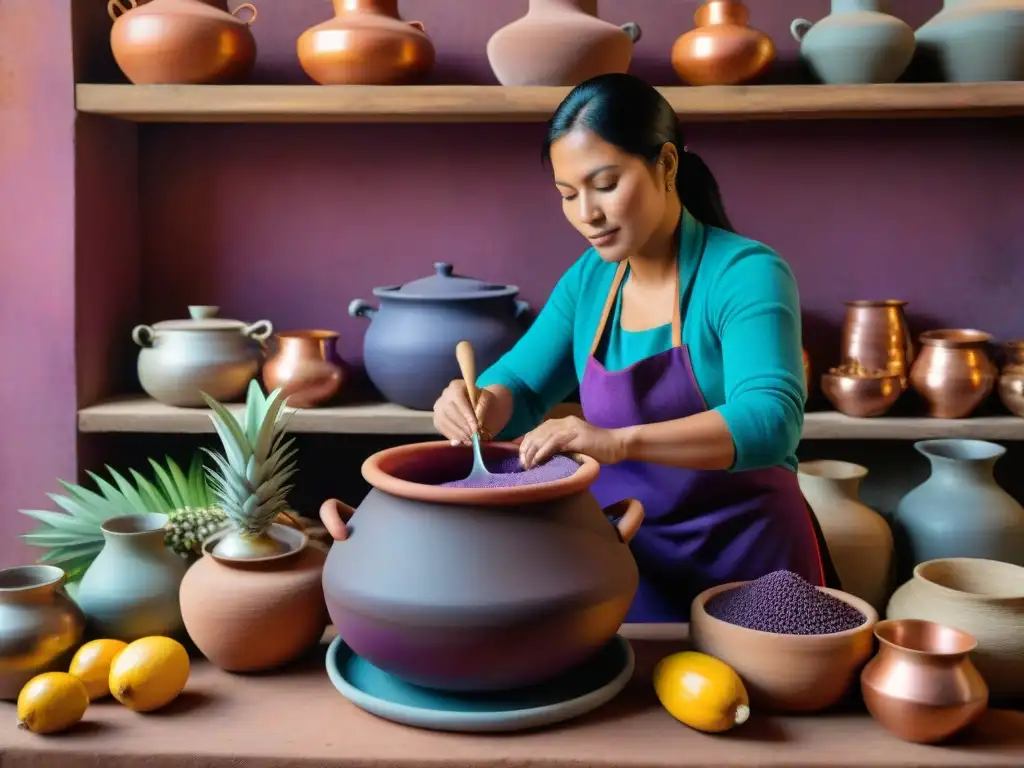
x: 509, y: 472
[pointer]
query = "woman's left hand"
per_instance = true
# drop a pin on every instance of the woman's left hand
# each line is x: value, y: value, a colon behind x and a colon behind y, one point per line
x: 573, y: 435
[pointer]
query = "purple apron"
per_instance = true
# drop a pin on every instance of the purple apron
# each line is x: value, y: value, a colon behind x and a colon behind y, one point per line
x: 701, y: 527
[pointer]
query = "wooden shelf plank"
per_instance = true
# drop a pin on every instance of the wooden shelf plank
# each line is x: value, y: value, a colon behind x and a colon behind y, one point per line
x: 140, y: 414
x: 484, y: 103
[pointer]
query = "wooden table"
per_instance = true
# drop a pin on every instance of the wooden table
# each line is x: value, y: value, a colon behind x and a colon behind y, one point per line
x: 296, y: 719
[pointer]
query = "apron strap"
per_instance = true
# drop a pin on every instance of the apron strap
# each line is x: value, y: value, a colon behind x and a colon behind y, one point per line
x: 609, y: 302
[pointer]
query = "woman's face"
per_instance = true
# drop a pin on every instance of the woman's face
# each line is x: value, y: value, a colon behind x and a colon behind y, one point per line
x: 613, y: 198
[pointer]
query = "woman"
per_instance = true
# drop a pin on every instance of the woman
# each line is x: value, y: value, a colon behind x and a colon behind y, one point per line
x: 684, y: 339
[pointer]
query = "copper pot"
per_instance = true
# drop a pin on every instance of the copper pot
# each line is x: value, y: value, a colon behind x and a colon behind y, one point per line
x: 1011, y: 378
x: 723, y: 49
x: 922, y: 685
x: 306, y: 366
x: 953, y: 373
x: 861, y: 396
x: 877, y: 337
x: 193, y: 42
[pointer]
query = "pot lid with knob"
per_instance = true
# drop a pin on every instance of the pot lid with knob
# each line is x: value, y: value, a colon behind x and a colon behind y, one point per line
x: 446, y: 285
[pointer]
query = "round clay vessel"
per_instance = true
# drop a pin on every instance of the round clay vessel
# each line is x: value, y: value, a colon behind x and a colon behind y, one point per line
x: 476, y: 588
x: 306, y: 367
x: 183, y: 42
x: 723, y: 49
x: 256, y: 614
x: 975, y: 41
x: 953, y: 373
x: 366, y: 43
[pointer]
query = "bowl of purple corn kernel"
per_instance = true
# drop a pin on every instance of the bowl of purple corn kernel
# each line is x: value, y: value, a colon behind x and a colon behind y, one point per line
x: 797, y: 647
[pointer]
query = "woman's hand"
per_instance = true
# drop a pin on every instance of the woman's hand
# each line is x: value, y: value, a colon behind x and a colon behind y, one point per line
x: 453, y: 414
x: 572, y: 435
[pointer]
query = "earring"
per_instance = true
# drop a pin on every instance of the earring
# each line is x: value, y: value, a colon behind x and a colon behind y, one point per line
x: 670, y: 186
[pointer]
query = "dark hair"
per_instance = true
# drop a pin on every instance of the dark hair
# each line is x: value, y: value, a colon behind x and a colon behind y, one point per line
x: 633, y: 115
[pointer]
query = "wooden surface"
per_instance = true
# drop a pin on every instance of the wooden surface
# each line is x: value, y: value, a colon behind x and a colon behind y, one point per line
x: 296, y: 719
x: 473, y: 103
x: 140, y: 414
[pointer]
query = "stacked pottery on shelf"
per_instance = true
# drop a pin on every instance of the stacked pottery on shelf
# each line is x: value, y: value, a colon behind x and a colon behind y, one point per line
x: 975, y: 41
x: 723, y: 49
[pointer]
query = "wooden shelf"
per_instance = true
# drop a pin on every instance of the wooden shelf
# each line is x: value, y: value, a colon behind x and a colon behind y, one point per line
x: 497, y: 104
x: 140, y: 414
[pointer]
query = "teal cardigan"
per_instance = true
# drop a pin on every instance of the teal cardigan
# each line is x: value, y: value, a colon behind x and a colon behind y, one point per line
x: 741, y: 323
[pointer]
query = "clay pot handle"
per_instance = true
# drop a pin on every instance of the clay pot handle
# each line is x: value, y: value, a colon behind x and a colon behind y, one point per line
x: 418, y: 25
x: 247, y: 7
x: 630, y: 514
x: 632, y: 29
x: 261, y: 330
x: 334, y: 514
x: 799, y: 28
x: 116, y: 4
x: 143, y: 334
x: 360, y: 308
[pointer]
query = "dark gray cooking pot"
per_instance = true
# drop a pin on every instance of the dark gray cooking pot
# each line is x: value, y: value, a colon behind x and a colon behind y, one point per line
x: 409, y: 348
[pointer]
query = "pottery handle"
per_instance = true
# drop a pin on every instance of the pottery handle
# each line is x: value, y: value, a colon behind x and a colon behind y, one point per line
x: 113, y: 14
x: 360, y: 308
x: 247, y: 7
x: 261, y: 330
x: 628, y: 514
x: 143, y: 335
x: 799, y: 28
x: 522, y: 307
x: 334, y: 514
x: 418, y: 25
x: 632, y: 29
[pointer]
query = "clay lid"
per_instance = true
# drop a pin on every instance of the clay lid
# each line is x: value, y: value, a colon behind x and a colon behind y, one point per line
x: 203, y: 318
x: 445, y: 285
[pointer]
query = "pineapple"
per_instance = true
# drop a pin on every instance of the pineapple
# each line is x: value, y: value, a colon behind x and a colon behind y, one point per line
x: 249, y: 478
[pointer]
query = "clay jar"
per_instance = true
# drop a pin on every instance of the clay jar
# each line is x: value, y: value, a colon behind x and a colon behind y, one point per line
x: 256, y: 614
x: 1011, y: 378
x: 723, y: 49
x: 954, y: 373
x: 193, y: 42
x: 306, y: 367
x: 476, y: 588
x: 876, y: 336
x: 366, y: 43
x: 976, y: 41
x: 560, y: 43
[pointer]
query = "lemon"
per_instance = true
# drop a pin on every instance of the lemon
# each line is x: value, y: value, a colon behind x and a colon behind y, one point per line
x: 149, y: 673
x: 52, y: 702
x: 91, y: 665
x: 701, y: 691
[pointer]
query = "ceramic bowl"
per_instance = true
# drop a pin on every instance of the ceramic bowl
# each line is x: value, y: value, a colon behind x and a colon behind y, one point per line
x: 861, y: 396
x: 790, y: 673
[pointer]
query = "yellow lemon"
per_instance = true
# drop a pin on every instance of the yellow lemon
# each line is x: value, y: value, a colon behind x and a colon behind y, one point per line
x: 149, y: 673
x: 701, y: 691
x: 52, y: 702
x: 91, y: 665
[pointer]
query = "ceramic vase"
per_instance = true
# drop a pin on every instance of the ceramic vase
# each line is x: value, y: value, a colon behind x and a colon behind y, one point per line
x: 249, y: 615
x: 960, y: 510
x: 723, y: 49
x: 182, y: 42
x: 366, y: 43
x: 982, y: 597
x: 131, y: 588
x: 561, y: 43
x: 306, y: 367
x: 858, y: 538
x: 976, y: 41
x: 40, y: 626
x: 858, y: 42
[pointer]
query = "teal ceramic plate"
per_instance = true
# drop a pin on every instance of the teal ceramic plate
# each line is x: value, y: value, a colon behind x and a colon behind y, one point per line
x: 579, y: 691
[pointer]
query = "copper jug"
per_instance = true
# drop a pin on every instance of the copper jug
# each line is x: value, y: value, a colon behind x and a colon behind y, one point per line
x: 953, y: 373
x: 876, y: 337
x: 366, y: 43
x: 183, y: 42
x: 306, y: 366
x: 724, y: 49
x: 1011, y: 378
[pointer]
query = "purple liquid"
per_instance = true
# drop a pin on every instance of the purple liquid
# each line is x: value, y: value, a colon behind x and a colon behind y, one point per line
x: 508, y: 472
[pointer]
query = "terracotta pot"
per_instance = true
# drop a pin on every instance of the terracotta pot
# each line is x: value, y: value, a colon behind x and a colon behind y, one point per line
x: 562, y: 43
x: 976, y: 41
x: 876, y: 337
x: 954, y: 373
x: 476, y: 588
x: 306, y: 367
x: 723, y: 49
x: 982, y: 597
x: 194, y: 42
x: 1011, y: 378
x: 366, y: 43
x: 249, y: 615
x: 922, y: 686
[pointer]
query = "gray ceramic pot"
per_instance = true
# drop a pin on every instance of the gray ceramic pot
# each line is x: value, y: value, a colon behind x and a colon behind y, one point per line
x: 976, y: 41
x: 409, y: 348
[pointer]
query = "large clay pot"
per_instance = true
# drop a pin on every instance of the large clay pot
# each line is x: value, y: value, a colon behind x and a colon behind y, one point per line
x: 960, y: 510
x: 876, y: 337
x: 250, y: 615
x: 366, y: 43
x: 476, y: 588
x: 976, y: 41
x: 562, y: 43
x: 408, y: 347
x: 858, y: 43
x: 954, y: 372
x: 40, y: 626
x: 723, y: 49
x: 858, y: 538
x: 182, y: 42
x: 306, y: 367
x: 982, y: 597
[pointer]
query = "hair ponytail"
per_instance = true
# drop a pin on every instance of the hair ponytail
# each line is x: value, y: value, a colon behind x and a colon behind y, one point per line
x: 698, y: 190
